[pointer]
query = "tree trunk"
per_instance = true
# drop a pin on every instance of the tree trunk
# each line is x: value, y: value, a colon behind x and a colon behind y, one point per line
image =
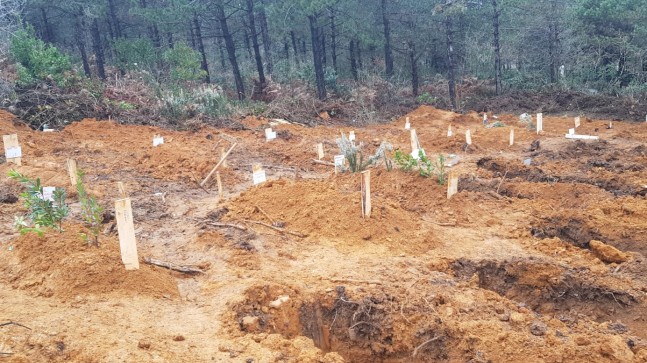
x: 388, y: 52
x: 221, y: 51
x: 286, y: 50
x: 450, y: 62
x: 267, y: 43
x: 248, y: 45
x: 353, y: 60
x: 98, y: 49
x: 48, y: 35
x: 169, y: 40
x: 358, y: 50
x: 257, y: 50
x: 317, y: 57
x: 294, y: 46
x: 153, y: 31
x: 413, y: 58
x: 231, y: 49
x: 322, y: 41
x: 333, y: 41
x: 198, y: 39
x: 191, y: 35
x: 114, y: 19
x: 80, y: 41
x: 497, y: 47
x: 304, y: 48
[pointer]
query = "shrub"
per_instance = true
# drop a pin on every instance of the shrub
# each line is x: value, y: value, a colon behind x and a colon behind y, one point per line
x: 134, y: 54
x: 208, y: 101
x: 355, y: 155
x: 185, y: 63
x: 426, y: 167
x: 37, y: 61
x: 91, y: 211
x: 43, y: 213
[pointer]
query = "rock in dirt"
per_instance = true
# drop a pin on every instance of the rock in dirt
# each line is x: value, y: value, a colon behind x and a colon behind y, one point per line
x: 278, y: 302
x: 144, y: 344
x: 607, y: 253
x: 251, y: 324
x: 178, y: 338
x: 538, y: 328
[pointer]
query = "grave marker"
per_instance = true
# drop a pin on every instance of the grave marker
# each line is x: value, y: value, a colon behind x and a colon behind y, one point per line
x: 571, y: 131
x: 220, y: 193
x: 12, y: 150
x: 122, y: 190
x: 222, y: 157
x: 126, y: 229
x: 72, y: 171
x: 320, y: 151
x: 269, y: 134
x: 415, y: 145
x: 366, y: 194
x: 511, y: 137
x: 48, y: 193
x: 452, y: 185
x: 577, y: 122
x: 258, y: 174
x: 222, y: 160
x: 540, y: 122
x: 407, y: 124
x: 351, y: 135
x: 450, y: 133
x: 468, y: 137
x: 158, y: 140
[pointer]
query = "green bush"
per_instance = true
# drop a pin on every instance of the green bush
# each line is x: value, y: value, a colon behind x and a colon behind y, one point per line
x: 91, y: 211
x: 208, y: 101
x: 43, y: 213
x: 184, y: 63
x: 134, y: 54
x: 426, y: 167
x: 37, y: 61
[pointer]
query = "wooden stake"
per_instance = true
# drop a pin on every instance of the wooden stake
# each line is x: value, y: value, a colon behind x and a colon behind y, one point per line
x: 577, y: 122
x: 320, y: 151
x: 220, y: 193
x: 366, y: 194
x: 122, y: 190
x: 468, y: 137
x: 126, y: 228
x: 450, y: 133
x: 222, y: 157
x: 258, y: 174
x: 452, y: 185
x: 12, y: 150
x: 414, y: 144
x: 407, y: 124
x: 540, y: 122
x: 72, y: 171
x: 511, y: 137
x: 222, y: 160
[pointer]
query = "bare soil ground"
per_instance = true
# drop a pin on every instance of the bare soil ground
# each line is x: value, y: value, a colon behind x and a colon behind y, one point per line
x: 505, y: 271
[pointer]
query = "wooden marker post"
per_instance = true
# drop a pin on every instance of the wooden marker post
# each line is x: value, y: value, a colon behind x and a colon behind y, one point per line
x: 577, y: 122
x: 407, y: 124
x: 158, y: 140
x: 450, y: 133
x: 468, y: 137
x: 320, y: 151
x: 540, y: 122
x: 126, y: 229
x: 452, y: 185
x: 12, y: 150
x: 415, y: 147
x: 122, y: 190
x: 258, y: 174
x: 222, y: 160
x: 219, y: 181
x: 511, y: 137
x: 72, y: 171
x: 351, y: 135
x: 366, y: 194
x: 222, y: 157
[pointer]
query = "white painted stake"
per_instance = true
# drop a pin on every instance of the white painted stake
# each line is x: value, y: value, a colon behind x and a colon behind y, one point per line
x: 320, y: 151
x: 452, y: 185
x: 511, y: 137
x: 450, y: 133
x: 351, y: 135
x: 571, y: 131
x: 258, y: 174
x: 72, y: 170
x: 126, y: 229
x: 366, y: 194
x: 269, y: 134
x: 582, y: 137
x: 468, y: 137
x: 577, y: 122
x: 540, y: 122
x: 415, y: 145
x: 158, y: 140
x: 407, y: 124
x: 12, y: 150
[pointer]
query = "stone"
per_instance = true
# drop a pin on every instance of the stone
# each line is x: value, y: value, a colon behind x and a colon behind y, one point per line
x: 144, y: 344
x: 251, y: 324
x: 606, y: 253
x: 538, y: 328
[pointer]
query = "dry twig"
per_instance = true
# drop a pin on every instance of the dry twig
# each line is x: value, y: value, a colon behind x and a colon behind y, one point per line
x: 415, y: 351
x: 170, y: 266
x: 276, y: 228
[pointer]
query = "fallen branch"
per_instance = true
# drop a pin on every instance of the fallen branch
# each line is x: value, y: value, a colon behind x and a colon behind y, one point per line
x: 276, y: 228
x: 265, y: 214
x: 315, y: 161
x: 415, y: 351
x: 226, y: 225
x: 14, y: 323
x: 279, y: 167
x: 198, y: 183
x: 170, y: 266
x: 354, y: 281
x: 501, y: 182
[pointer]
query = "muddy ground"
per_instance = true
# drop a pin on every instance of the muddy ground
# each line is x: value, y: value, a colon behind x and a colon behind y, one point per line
x: 541, y: 262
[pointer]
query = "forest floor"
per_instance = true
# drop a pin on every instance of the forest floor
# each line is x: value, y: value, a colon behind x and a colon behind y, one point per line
x: 504, y: 271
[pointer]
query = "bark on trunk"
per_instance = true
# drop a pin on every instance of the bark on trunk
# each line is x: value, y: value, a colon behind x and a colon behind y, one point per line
x: 317, y: 57
x: 200, y: 43
x: 497, y: 47
x: 353, y: 60
x: 80, y: 42
x: 413, y: 59
x: 388, y: 52
x: 231, y: 49
x: 48, y: 35
x: 333, y: 42
x: 294, y: 46
x: 114, y: 19
x: 267, y: 43
x: 450, y: 62
x: 257, y: 49
x: 98, y: 49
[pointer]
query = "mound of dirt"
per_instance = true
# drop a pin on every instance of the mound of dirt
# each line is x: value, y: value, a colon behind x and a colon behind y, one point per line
x: 63, y: 266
